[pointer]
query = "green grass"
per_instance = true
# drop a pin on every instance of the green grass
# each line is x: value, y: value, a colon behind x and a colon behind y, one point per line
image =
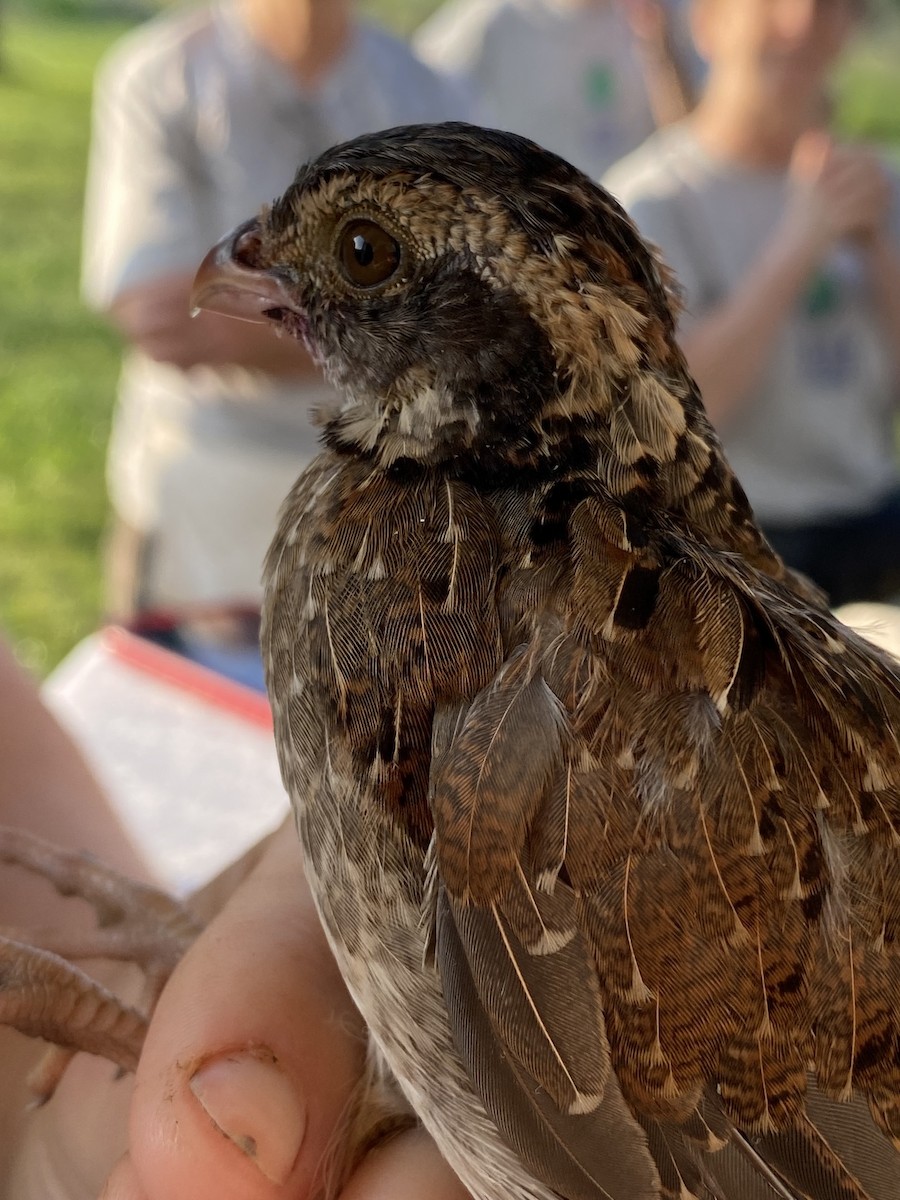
x: 58, y: 364
x: 868, y: 92
x: 401, y: 15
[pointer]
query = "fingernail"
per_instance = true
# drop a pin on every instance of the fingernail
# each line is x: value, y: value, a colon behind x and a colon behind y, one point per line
x: 249, y: 1098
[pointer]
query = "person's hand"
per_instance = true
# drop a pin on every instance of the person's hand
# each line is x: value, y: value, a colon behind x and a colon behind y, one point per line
x: 837, y: 191
x: 156, y: 317
x: 648, y: 19
x: 251, y: 1060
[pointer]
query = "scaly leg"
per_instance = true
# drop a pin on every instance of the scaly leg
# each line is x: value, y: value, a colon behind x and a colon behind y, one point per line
x: 44, y: 995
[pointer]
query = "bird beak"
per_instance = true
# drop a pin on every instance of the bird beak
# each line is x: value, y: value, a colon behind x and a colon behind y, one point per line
x: 231, y: 282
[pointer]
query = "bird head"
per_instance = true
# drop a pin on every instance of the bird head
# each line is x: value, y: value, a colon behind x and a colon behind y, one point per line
x: 485, y: 308
x: 461, y: 287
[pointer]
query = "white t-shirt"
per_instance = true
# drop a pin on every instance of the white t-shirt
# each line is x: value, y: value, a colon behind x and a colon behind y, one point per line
x: 816, y: 438
x: 569, y: 78
x: 195, y: 127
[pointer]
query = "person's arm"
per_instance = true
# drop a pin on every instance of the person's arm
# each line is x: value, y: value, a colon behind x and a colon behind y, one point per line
x: 151, y: 214
x: 837, y: 192
x: 727, y: 349
x: 884, y: 273
x: 155, y: 316
x: 669, y: 86
x: 47, y: 789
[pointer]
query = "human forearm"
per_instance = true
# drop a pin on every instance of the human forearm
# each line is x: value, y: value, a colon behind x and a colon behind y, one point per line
x: 884, y: 268
x: 667, y: 79
x: 211, y: 340
x: 835, y: 193
x: 668, y: 86
x: 47, y: 789
x: 727, y: 349
x: 156, y: 318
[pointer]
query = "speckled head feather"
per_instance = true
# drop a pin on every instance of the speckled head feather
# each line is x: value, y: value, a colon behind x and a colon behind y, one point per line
x: 600, y: 807
x: 528, y: 327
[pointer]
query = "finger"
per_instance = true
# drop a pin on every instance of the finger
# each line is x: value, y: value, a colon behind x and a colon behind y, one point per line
x: 857, y: 155
x: 407, y: 1168
x: 858, y: 208
x: 66, y: 1148
x: 252, y: 1054
x: 123, y: 1183
x: 810, y: 155
x: 861, y: 177
x: 69, y: 1145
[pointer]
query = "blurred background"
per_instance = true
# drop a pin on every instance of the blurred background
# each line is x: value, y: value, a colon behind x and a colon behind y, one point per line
x: 58, y: 362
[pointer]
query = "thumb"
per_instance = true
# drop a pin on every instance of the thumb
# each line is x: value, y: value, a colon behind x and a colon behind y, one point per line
x: 253, y: 1052
x: 122, y: 1183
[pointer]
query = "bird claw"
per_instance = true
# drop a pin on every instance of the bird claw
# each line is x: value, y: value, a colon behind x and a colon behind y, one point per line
x: 42, y: 994
x: 43, y: 1079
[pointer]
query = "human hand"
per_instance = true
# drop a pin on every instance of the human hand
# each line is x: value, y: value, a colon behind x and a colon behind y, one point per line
x: 648, y: 19
x: 156, y: 317
x: 837, y: 191
x: 252, y: 1056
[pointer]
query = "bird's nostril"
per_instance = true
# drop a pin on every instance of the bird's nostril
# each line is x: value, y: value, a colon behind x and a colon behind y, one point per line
x: 247, y: 248
x: 233, y: 279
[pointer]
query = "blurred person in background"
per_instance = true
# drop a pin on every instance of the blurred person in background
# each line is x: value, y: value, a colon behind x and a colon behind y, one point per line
x: 786, y: 243
x: 201, y: 116
x: 588, y: 79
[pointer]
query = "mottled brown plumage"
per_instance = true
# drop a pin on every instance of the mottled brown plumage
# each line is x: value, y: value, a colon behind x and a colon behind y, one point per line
x: 600, y: 804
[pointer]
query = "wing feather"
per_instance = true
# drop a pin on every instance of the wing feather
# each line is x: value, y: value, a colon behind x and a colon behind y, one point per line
x: 683, y: 791
x: 598, y: 1155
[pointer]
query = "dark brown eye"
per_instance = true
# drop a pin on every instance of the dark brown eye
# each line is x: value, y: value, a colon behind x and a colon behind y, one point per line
x: 368, y: 253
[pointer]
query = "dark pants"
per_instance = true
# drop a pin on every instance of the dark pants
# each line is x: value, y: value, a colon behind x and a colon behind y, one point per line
x: 855, y: 558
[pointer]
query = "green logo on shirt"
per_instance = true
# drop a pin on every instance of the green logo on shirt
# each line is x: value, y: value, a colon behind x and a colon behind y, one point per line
x: 821, y: 297
x: 599, y: 85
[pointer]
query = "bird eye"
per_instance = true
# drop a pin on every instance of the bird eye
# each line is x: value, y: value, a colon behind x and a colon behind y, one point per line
x: 368, y: 253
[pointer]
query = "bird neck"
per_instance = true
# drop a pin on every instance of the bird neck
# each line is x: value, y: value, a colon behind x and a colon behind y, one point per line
x: 650, y: 447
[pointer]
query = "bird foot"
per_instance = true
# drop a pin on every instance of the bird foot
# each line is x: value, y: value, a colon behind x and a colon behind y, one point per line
x: 43, y: 994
